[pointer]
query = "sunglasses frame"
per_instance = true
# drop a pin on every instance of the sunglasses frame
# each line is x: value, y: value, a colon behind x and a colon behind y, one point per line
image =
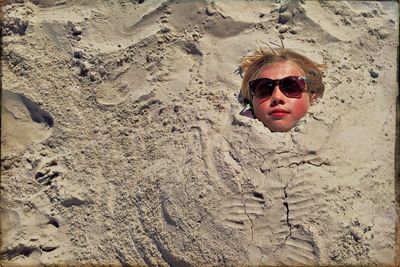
x: 253, y: 83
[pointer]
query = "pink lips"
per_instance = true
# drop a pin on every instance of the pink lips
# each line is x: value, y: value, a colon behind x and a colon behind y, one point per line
x: 278, y: 113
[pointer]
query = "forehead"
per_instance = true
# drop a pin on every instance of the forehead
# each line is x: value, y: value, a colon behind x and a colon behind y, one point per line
x: 280, y: 70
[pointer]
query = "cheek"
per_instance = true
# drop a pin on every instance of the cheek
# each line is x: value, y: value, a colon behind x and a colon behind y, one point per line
x: 260, y: 106
x: 299, y: 108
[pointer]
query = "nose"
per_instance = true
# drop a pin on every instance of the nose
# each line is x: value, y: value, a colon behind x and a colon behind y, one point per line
x: 277, y: 97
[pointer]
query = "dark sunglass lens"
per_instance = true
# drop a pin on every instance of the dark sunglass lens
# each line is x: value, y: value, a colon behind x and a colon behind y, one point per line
x: 263, y: 88
x: 292, y: 86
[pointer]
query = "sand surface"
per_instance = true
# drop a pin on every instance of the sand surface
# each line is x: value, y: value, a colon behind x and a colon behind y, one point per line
x: 122, y: 142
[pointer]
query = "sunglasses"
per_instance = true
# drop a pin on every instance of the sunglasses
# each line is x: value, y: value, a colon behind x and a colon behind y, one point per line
x: 291, y: 86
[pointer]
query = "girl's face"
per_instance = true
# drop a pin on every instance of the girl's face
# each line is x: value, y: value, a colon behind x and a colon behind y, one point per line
x: 280, y: 113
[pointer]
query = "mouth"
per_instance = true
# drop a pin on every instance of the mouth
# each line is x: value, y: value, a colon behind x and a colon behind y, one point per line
x: 278, y: 111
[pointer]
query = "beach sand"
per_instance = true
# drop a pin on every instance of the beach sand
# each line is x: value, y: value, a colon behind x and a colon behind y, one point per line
x: 122, y: 141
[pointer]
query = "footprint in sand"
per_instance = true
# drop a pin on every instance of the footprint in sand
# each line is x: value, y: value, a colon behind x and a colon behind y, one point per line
x: 52, y: 3
x: 298, y: 246
x: 9, y: 222
x: 131, y: 82
x: 23, y: 122
x: 299, y: 249
x: 237, y: 210
x: 29, y: 238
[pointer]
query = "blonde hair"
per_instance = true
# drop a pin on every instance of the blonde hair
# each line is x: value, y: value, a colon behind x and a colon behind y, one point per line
x: 251, y: 65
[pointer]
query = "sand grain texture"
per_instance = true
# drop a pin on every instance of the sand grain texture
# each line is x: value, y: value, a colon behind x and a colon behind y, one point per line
x: 122, y: 141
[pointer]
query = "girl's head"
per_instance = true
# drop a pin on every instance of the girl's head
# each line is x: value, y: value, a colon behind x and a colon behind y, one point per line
x: 280, y: 85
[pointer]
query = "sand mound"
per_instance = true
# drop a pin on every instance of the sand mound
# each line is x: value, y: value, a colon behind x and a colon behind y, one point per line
x: 122, y: 141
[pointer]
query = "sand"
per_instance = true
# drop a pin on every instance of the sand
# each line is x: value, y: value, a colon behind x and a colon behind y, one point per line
x: 122, y: 141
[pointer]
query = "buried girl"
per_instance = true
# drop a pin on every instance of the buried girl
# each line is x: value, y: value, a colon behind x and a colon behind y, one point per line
x: 280, y: 86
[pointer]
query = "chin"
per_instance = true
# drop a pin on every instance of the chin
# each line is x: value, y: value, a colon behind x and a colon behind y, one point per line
x: 279, y: 128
